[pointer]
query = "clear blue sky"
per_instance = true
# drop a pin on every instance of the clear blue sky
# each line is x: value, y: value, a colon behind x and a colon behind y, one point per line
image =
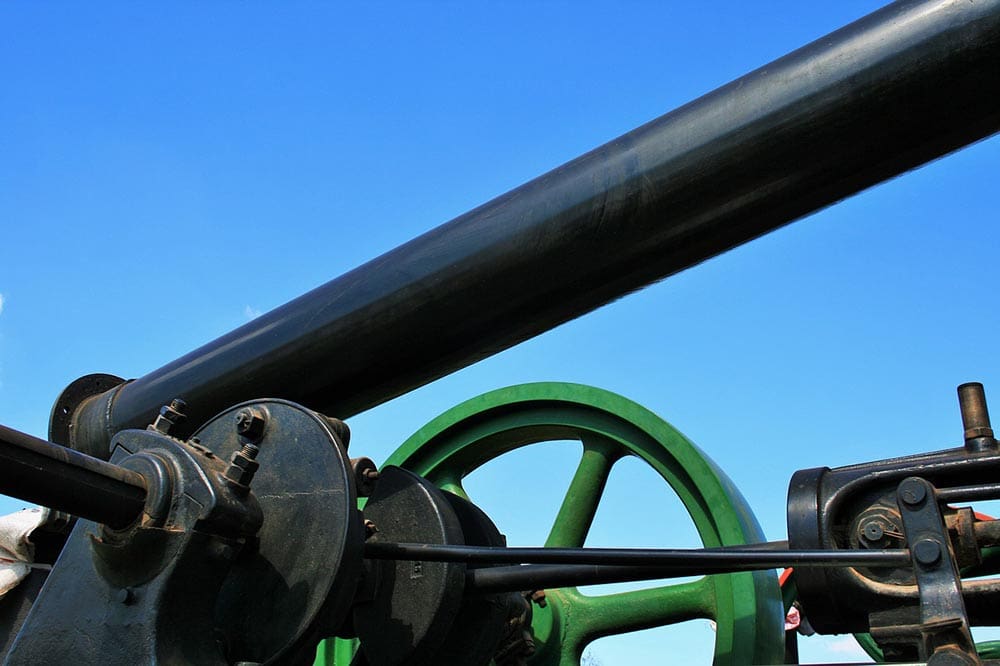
x: 166, y: 175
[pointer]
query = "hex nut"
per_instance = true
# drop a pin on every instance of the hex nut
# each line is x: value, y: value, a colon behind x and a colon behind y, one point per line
x: 250, y: 423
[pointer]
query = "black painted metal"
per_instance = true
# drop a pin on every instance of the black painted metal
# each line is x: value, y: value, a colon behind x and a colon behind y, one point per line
x: 44, y: 473
x: 413, y: 605
x: 824, y: 508
x: 225, y: 573
x: 943, y: 624
x: 548, y: 576
x: 892, y: 91
x: 482, y: 620
x: 699, y: 560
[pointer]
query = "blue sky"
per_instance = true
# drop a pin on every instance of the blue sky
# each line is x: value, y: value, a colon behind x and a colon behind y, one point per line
x: 165, y: 176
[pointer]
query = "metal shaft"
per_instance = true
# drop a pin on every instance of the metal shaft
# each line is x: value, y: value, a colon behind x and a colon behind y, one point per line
x: 543, y: 576
x: 66, y: 480
x: 890, y: 92
x: 704, y: 559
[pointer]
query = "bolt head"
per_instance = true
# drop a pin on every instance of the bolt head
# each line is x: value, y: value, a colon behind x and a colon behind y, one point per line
x: 927, y: 552
x: 250, y: 423
x: 126, y: 596
x: 873, y: 531
x: 913, y: 493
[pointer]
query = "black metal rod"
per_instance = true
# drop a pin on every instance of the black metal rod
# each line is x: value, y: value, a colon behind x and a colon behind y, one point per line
x: 894, y: 90
x: 985, y: 491
x: 66, y: 480
x: 701, y: 559
x: 546, y: 576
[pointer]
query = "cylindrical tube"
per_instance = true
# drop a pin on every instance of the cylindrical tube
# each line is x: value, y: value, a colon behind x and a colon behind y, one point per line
x: 896, y: 89
x: 66, y: 480
x: 975, y: 416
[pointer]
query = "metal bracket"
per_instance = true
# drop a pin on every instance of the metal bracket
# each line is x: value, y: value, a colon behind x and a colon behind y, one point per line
x: 944, y: 636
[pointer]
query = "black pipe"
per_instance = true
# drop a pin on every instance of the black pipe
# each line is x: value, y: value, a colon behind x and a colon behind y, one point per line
x: 66, y: 480
x: 894, y: 90
x: 547, y: 576
x: 701, y: 559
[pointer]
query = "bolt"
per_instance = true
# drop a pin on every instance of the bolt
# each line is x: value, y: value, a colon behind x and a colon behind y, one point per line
x: 365, y: 475
x: 250, y: 423
x: 242, y: 469
x: 913, y: 492
x: 538, y: 596
x: 873, y: 530
x: 370, y: 528
x: 170, y: 415
x: 126, y: 596
x: 927, y: 552
x: 250, y: 451
x: 243, y: 464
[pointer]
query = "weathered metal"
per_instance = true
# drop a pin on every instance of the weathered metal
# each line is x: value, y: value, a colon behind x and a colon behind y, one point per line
x: 218, y: 570
x: 267, y: 547
x: 975, y: 417
x: 887, y: 93
x: 941, y: 628
x: 43, y: 473
x: 855, y: 506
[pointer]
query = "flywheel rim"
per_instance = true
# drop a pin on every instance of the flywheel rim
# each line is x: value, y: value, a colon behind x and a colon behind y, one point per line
x: 747, y: 607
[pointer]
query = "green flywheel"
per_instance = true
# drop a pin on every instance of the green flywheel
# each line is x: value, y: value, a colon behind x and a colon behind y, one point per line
x: 746, y: 607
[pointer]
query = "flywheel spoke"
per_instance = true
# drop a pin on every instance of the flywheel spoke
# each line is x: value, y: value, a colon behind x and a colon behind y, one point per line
x: 642, y: 609
x: 453, y: 486
x: 584, y: 494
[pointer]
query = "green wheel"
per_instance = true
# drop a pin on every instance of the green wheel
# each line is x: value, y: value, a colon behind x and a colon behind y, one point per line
x: 746, y: 607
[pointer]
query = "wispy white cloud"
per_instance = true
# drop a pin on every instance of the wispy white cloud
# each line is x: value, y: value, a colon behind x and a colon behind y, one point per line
x: 249, y: 311
x: 1, y: 303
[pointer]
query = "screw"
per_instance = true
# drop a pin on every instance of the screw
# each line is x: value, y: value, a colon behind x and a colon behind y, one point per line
x: 913, y: 492
x: 538, y: 596
x: 250, y: 423
x: 927, y: 552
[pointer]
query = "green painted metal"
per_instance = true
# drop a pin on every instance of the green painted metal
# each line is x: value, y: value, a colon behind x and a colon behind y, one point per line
x: 746, y: 607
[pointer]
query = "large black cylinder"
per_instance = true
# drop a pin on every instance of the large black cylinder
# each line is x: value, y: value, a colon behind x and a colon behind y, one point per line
x: 65, y: 480
x: 887, y: 93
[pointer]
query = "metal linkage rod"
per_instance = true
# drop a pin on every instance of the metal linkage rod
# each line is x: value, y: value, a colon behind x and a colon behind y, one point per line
x: 701, y: 559
x: 44, y: 473
x: 892, y: 91
x: 543, y: 576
